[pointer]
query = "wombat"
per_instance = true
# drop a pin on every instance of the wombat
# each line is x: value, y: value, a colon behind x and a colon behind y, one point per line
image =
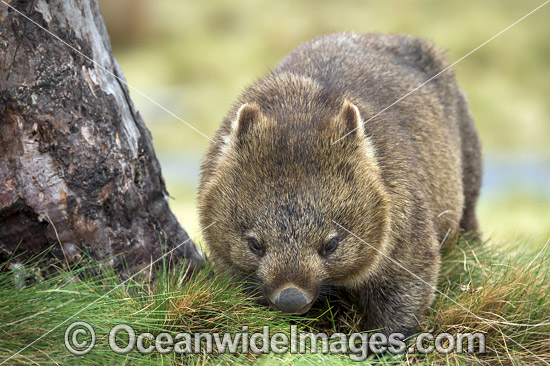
x: 310, y: 186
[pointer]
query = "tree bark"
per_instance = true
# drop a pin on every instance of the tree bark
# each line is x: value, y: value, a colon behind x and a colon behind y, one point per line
x: 77, y: 166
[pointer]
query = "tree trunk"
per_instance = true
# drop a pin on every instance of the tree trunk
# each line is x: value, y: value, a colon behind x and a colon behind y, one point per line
x: 77, y: 166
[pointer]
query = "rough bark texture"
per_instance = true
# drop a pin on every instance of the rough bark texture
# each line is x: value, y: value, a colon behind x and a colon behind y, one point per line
x: 77, y: 166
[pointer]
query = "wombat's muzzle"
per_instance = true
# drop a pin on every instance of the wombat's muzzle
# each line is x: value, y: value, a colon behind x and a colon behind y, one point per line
x: 291, y: 300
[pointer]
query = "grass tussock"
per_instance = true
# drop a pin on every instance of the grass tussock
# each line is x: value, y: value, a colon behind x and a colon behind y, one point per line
x: 501, y: 291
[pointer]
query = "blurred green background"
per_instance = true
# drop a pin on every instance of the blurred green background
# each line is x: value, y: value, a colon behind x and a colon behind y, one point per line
x: 195, y: 57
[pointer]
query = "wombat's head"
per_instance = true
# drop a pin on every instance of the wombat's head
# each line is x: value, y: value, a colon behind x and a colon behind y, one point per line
x: 292, y: 210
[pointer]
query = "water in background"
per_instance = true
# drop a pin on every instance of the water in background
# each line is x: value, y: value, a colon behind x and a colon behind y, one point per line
x: 502, y: 173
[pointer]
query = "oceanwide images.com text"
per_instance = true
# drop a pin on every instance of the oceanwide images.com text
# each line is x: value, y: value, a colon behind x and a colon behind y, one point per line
x: 80, y: 339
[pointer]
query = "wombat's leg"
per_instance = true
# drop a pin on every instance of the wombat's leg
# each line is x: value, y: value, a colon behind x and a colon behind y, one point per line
x: 471, y: 166
x: 396, y: 306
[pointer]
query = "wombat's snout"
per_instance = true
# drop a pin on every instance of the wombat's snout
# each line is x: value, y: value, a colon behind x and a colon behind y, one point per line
x: 291, y: 300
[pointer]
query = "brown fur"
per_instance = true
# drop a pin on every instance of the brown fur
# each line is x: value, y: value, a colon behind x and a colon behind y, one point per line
x: 401, y: 182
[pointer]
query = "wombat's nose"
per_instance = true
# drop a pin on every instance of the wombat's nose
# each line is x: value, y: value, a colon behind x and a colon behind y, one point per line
x: 291, y: 300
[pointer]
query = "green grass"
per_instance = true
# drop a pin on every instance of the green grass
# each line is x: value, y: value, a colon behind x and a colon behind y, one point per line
x: 101, y: 298
x: 499, y: 290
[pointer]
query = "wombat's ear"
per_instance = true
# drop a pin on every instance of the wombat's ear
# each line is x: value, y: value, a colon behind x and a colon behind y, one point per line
x: 351, y: 121
x: 246, y: 116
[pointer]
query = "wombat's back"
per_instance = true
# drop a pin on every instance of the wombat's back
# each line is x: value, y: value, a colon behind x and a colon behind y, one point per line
x: 375, y: 67
x: 418, y: 136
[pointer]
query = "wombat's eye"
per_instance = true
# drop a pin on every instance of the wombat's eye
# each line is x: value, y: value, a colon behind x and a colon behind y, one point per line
x: 330, y: 246
x: 254, y: 246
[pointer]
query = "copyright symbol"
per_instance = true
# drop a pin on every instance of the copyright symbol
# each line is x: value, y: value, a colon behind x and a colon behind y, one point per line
x: 85, y: 344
